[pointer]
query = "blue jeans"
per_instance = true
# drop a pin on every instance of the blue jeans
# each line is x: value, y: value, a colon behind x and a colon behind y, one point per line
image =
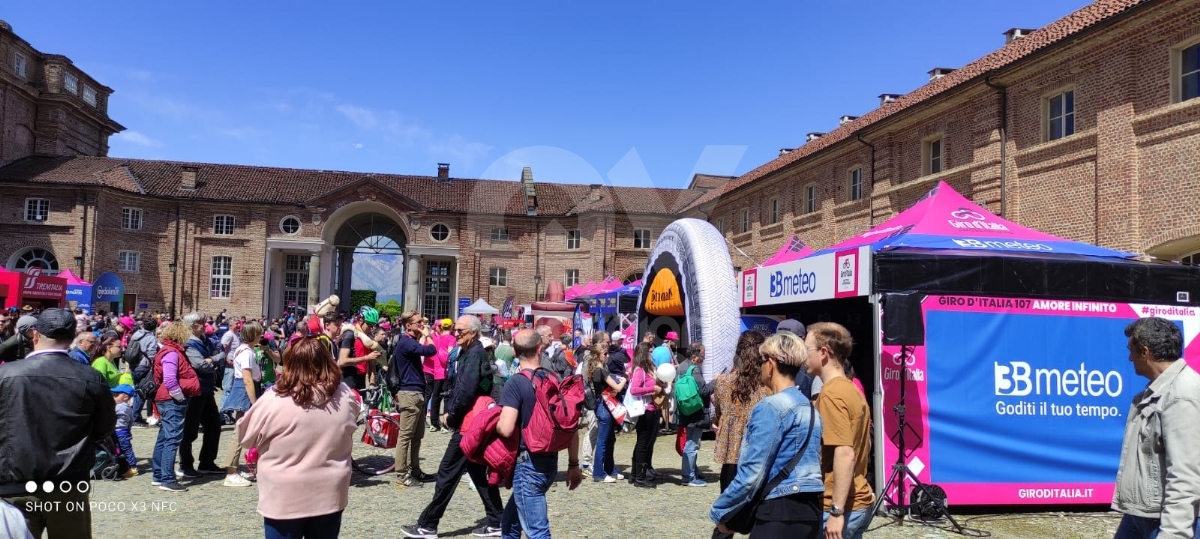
x: 125, y: 442
x: 856, y: 523
x: 606, y: 440
x: 526, y: 510
x: 170, y: 433
x: 690, y: 450
x: 322, y: 527
x: 1144, y: 528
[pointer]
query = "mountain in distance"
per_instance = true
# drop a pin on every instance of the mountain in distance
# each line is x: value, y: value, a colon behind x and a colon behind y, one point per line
x: 382, y: 273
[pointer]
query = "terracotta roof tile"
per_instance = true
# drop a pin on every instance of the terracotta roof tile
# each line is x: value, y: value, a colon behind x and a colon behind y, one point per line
x: 1050, y: 35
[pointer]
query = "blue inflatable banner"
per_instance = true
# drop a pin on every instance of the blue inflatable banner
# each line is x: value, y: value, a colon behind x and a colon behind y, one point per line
x: 106, y: 289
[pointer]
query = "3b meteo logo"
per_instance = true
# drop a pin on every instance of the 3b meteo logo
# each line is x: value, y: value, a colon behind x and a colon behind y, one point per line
x: 1019, y: 379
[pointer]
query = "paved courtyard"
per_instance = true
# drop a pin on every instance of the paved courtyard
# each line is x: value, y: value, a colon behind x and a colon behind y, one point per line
x: 594, y: 510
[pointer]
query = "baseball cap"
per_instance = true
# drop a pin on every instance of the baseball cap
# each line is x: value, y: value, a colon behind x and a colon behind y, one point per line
x: 123, y: 388
x: 617, y: 336
x: 127, y: 322
x: 672, y: 336
x: 26, y: 322
x: 487, y: 342
x: 792, y: 326
x: 57, y: 324
x: 447, y: 323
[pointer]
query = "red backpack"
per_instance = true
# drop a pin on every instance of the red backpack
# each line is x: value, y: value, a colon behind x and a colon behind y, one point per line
x: 557, y: 412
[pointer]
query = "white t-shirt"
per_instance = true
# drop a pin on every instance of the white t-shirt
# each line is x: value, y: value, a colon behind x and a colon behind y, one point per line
x: 244, y: 358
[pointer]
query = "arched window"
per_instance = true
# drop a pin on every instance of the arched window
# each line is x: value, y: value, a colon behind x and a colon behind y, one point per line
x: 632, y: 277
x: 35, y: 257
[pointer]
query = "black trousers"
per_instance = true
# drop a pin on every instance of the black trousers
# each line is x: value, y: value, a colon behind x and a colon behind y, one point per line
x: 647, y: 432
x: 728, y: 472
x: 433, y: 396
x: 201, y: 411
x: 450, y: 471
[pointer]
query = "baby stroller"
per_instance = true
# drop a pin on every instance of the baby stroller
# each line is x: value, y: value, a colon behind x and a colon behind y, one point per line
x: 109, y: 462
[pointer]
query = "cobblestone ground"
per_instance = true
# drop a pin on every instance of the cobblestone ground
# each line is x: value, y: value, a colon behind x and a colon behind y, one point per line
x: 594, y: 510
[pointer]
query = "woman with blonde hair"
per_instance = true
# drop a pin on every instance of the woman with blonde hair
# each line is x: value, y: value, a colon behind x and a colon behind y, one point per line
x: 779, y: 463
x: 177, y: 383
x: 596, y: 373
x: 303, y: 428
x: 242, y: 392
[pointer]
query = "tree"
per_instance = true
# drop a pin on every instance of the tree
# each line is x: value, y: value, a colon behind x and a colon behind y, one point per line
x: 358, y: 298
x: 391, y: 308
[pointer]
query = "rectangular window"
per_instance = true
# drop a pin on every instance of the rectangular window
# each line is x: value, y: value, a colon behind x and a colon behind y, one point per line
x: 129, y: 261
x: 773, y: 211
x: 721, y: 225
x: 223, y: 225
x: 220, y: 281
x: 572, y: 277
x: 500, y: 234
x: 810, y: 199
x: 19, y: 64
x: 497, y: 277
x: 856, y: 184
x: 641, y: 239
x: 89, y: 95
x: 131, y: 218
x: 436, y: 302
x: 71, y: 83
x: 37, y: 209
x: 1060, y: 116
x: 573, y: 237
x: 932, y: 150
x: 745, y: 220
x: 1189, y: 73
x: 295, y: 281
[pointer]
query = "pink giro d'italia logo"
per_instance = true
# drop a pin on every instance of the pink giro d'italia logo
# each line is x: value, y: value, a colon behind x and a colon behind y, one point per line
x: 964, y: 214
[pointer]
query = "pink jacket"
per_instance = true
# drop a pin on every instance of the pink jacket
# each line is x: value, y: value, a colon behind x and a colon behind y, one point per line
x: 435, y: 365
x: 643, y: 386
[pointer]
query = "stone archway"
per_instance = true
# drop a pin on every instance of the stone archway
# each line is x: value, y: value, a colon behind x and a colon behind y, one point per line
x: 366, y: 233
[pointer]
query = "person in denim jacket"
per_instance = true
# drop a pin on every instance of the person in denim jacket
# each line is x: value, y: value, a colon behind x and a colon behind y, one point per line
x: 1158, y: 481
x: 777, y: 429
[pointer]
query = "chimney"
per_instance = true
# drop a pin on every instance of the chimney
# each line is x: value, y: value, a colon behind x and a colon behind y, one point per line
x: 846, y: 119
x: 187, y: 180
x: 785, y: 151
x: 1014, y: 34
x: 812, y: 136
x: 530, y: 191
x: 443, y: 173
x: 887, y: 98
x: 939, y: 72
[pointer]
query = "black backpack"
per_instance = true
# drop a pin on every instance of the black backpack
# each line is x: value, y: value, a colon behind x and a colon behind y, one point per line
x: 147, y: 387
x: 133, y: 352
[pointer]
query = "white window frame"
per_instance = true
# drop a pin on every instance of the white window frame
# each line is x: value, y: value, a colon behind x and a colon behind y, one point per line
x: 745, y: 221
x: 574, y: 239
x: 434, y: 227
x: 855, y: 187
x: 127, y: 218
x: 642, y: 238
x: 572, y: 277
x: 71, y: 83
x: 1177, y: 73
x: 499, y: 234
x: 497, y: 276
x: 20, y: 64
x: 219, y: 231
x: 810, y: 198
x: 932, y: 163
x: 220, y: 275
x: 43, y: 211
x: 129, y: 261
x: 299, y: 225
x: 89, y: 95
x: 773, y: 211
x: 1067, y: 117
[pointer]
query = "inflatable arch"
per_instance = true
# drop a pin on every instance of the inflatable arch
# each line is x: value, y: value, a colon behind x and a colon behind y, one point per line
x: 689, y: 287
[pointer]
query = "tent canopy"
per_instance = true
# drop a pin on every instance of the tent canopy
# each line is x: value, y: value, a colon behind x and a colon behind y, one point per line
x: 944, y: 219
x: 793, y: 249
x: 71, y: 278
x: 481, y: 307
x: 618, y: 300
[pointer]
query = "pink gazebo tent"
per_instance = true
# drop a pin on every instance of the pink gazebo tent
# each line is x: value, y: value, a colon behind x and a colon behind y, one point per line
x: 793, y: 249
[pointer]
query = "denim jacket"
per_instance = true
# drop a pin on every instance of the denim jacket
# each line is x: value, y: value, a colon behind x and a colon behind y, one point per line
x: 1159, y: 476
x: 775, y: 432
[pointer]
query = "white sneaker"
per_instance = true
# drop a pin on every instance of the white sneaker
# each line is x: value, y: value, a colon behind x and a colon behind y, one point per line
x: 620, y: 477
x: 236, y: 481
x: 152, y: 421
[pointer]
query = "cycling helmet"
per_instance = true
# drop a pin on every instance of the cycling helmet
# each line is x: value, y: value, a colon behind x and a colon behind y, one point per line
x: 369, y: 315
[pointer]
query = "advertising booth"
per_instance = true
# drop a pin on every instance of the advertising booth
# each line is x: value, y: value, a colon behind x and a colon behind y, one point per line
x: 32, y: 289
x: 1019, y: 381
x: 108, y: 293
x: 79, y: 291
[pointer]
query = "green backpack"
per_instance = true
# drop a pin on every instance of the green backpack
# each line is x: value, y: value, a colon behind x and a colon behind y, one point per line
x: 687, y: 394
x: 267, y: 366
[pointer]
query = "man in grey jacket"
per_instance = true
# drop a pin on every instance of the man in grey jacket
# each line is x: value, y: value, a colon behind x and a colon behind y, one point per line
x: 1158, y: 482
x: 202, y: 410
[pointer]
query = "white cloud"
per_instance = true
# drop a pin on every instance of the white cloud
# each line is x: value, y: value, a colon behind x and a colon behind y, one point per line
x: 358, y: 146
x: 360, y: 117
x: 134, y: 137
x: 456, y: 148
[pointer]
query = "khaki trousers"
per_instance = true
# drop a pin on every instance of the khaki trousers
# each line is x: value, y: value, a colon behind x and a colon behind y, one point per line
x: 411, y: 405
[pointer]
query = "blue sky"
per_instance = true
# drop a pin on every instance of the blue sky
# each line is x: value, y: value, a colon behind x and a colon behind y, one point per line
x: 632, y: 93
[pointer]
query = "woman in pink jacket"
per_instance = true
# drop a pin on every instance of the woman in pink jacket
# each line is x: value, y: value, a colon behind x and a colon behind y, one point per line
x: 435, y: 370
x: 645, y: 385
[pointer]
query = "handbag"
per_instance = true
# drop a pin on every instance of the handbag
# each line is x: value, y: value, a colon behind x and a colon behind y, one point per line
x: 635, y: 406
x: 743, y: 520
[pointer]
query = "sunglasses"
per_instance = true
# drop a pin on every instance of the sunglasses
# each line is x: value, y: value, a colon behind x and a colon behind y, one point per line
x: 460, y: 331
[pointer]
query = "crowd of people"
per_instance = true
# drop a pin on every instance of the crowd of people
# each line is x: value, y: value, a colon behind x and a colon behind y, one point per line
x: 792, y: 422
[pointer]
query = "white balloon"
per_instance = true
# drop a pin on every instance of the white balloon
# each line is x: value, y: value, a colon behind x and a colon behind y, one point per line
x: 666, y: 373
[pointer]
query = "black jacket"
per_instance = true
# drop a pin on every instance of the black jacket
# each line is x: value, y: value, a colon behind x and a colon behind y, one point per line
x: 405, y: 370
x: 52, y: 411
x: 698, y: 420
x: 14, y: 348
x: 472, y: 379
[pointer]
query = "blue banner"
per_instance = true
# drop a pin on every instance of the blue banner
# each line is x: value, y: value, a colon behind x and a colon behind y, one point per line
x: 108, y: 288
x: 81, y: 294
x: 463, y: 303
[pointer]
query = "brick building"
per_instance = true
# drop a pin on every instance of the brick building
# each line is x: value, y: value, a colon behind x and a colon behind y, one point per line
x: 1087, y: 128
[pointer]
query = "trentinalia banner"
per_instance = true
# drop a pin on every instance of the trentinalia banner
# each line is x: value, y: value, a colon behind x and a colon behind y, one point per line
x: 1020, y: 401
